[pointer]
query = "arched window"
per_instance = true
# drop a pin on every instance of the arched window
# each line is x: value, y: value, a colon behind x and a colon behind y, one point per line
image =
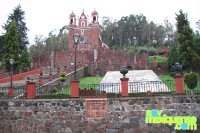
x: 71, y: 21
x: 94, y: 19
x: 82, y: 24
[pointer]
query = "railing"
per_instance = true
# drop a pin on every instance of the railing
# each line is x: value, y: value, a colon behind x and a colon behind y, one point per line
x: 3, y: 92
x: 152, y: 88
x: 135, y: 89
x: 106, y: 87
x: 50, y: 92
x: 18, y: 92
x: 100, y: 90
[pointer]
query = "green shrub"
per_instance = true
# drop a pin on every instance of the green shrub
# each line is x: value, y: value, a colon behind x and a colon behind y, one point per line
x: 54, y: 90
x: 63, y: 77
x: 191, y: 80
x: 152, y: 51
x: 142, y: 50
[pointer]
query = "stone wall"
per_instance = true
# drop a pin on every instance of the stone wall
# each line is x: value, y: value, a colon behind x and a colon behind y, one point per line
x: 123, y: 115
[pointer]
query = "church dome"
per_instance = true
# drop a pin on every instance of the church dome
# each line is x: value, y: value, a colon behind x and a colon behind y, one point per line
x: 72, y: 14
x: 94, y: 13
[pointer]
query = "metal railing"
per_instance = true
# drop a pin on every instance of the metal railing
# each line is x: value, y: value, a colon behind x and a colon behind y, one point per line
x: 152, y: 86
x: 50, y: 92
x: 3, y: 92
x: 135, y: 89
x: 18, y: 92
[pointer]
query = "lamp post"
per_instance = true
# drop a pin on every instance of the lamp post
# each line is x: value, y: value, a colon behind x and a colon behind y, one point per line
x: 76, y: 37
x: 11, y: 73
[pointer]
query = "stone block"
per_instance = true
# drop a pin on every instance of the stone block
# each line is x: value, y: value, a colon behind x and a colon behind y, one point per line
x: 101, y: 130
x: 146, y: 101
x: 138, y: 107
x: 67, y: 130
x: 111, y: 130
x: 25, y: 129
x: 109, y: 125
x: 89, y: 129
x: 117, y: 125
x: 77, y: 117
x: 129, y: 130
x: 134, y: 120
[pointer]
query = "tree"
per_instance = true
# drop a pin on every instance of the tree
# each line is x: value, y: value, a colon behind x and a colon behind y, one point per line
x: 1, y: 47
x: 11, y: 45
x: 25, y: 56
x: 169, y: 33
x: 172, y: 57
x: 131, y: 30
x: 182, y: 21
x: 188, y: 57
x: 185, y: 48
x: 18, y: 16
x: 197, y: 43
x: 53, y: 41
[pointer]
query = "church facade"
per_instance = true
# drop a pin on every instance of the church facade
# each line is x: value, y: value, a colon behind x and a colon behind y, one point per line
x: 89, y: 32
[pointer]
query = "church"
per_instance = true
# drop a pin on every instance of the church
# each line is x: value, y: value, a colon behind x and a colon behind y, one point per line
x: 89, y: 44
x: 89, y: 31
x: 91, y: 51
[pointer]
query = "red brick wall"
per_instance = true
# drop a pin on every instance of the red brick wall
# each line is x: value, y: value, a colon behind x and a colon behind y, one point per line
x: 20, y: 76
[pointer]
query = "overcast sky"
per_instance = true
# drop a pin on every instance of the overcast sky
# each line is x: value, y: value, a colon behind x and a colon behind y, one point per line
x: 42, y: 16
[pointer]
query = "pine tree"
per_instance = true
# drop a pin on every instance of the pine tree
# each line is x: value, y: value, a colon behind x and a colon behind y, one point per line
x: 182, y: 21
x: 18, y: 16
x: 11, y: 45
x: 187, y: 56
x: 1, y: 47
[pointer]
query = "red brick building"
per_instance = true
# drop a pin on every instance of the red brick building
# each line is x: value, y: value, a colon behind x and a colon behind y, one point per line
x: 89, y: 31
x: 88, y: 46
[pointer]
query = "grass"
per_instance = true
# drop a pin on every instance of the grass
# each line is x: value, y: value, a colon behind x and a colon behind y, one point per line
x: 84, y: 81
x: 90, y: 80
x: 160, y: 59
x: 168, y: 81
x: 165, y: 77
